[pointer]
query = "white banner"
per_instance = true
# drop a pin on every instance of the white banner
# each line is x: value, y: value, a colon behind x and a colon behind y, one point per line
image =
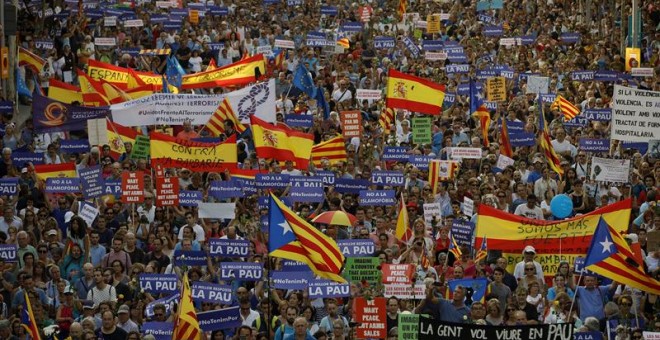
x: 635, y: 114
x: 641, y: 72
x: 288, y: 44
x: 368, y: 94
x: 133, y: 23
x: 536, y: 84
x: 105, y: 41
x: 166, y: 4
x: 404, y: 291
x: 174, y: 109
x: 110, y: 21
x: 609, y: 170
x: 459, y: 153
x: 435, y: 55
x: 216, y: 210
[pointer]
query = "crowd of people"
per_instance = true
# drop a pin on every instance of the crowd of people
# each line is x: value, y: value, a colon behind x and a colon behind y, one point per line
x: 84, y: 277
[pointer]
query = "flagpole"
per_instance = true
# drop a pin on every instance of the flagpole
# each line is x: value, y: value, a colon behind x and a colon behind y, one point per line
x: 570, y: 311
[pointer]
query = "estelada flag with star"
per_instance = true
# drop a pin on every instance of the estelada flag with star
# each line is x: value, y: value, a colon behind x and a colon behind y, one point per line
x: 610, y: 256
x: 291, y: 237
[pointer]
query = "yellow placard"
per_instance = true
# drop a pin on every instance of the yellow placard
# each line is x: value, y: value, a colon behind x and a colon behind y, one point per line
x: 496, y: 89
x: 633, y: 57
x: 433, y: 23
x: 193, y: 16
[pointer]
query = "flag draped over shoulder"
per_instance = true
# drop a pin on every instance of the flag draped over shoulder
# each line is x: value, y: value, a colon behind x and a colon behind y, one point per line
x: 223, y: 113
x: 28, y: 321
x: 172, y: 152
x: 291, y: 237
x: 186, y: 325
x: 333, y: 149
x: 281, y: 143
x: 403, y: 230
x: 44, y: 171
x: 479, y: 111
x: 412, y: 93
x: 546, y: 143
x: 31, y: 60
x: 566, y: 108
x: 610, y: 256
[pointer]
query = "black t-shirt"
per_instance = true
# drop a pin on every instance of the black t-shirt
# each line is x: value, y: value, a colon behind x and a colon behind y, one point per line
x: 163, y: 261
x: 118, y: 334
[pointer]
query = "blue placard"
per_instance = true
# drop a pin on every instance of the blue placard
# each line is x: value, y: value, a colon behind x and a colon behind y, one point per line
x: 229, y: 248
x: 527, y: 40
x: 172, y: 25
x: 211, y: 292
x: 377, y: 197
x: 189, y: 258
x: 290, y: 280
x: 485, y: 18
x: 457, y: 58
x: 455, y: 68
x: 507, y: 74
x: 307, y: 189
x: 450, y: 98
x: 357, y: 248
x: 22, y: 158
x: 395, y: 153
x: 642, y: 147
x: 352, y: 26
x: 328, y: 289
x: 421, y: 162
x: 388, y: 178
x: 522, y: 139
x: 607, y: 75
x: 588, y: 336
x: 599, y: 115
x: 248, y: 185
x: 160, y: 330
x: 92, y: 181
x: 578, y: 121
x: 8, y: 252
x: 243, y: 271
x: 319, y: 42
x: 271, y: 181
x: 493, y: 31
x: 225, y: 189
x: 132, y: 51
x: 570, y: 38
x: 189, y: 198
x: 548, y: 97
x: 329, y: 10
x: 384, y: 42
x: 583, y: 75
x: 157, y: 18
x: 488, y: 73
x: 464, y: 89
x: 432, y: 45
x: 327, y: 176
x: 214, y: 320
x: 6, y: 106
x: 411, y: 46
x: 315, y: 35
x: 216, y: 46
x: 351, y: 186
x: 62, y: 185
x: 294, y: 266
x: 299, y: 120
x: 8, y: 186
x: 594, y: 144
x: 158, y: 283
x: 166, y: 301
x: 112, y: 188
x: 462, y: 232
x: 294, y: 2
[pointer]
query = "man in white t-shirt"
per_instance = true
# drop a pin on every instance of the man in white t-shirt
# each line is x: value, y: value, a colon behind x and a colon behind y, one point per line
x: 192, y: 222
x: 530, y: 210
x: 528, y: 256
x: 561, y: 145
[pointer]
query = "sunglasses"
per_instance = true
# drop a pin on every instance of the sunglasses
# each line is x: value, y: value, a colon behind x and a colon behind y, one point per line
x: 529, y: 269
x: 158, y: 315
x: 43, y: 251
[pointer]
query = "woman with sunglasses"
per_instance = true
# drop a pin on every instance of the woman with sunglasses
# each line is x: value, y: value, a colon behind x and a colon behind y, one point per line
x: 494, y: 316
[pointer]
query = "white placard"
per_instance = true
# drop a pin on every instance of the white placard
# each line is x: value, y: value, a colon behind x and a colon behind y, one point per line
x: 435, y: 55
x: 641, y: 72
x: 471, y: 153
x: 368, y: 94
x: 267, y: 51
x: 421, y: 24
x: 404, y: 291
x: 97, y: 131
x: 635, y: 114
x: 134, y: 23
x: 430, y: 210
x: 110, y: 21
x: 609, y: 170
x: 468, y: 206
x: 288, y: 44
x: 504, y: 161
x: 105, y: 41
x: 444, y: 16
x: 87, y: 212
x: 174, y: 109
x: 651, y: 335
x: 216, y: 210
x: 166, y: 4
x: 507, y: 41
x: 536, y: 84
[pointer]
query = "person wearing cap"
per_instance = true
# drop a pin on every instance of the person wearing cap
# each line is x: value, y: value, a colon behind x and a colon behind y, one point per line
x: 528, y: 256
x: 66, y: 311
x: 89, y: 311
x: 124, y: 321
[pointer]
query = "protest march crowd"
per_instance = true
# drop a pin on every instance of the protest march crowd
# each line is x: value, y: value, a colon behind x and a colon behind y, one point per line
x: 381, y: 169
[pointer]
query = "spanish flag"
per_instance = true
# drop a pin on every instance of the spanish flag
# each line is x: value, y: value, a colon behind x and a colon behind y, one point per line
x: 238, y: 73
x: 186, y: 325
x: 281, y: 143
x: 246, y: 173
x: 333, y: 149
x: 28, y: 321
x: 31, y: 60
x: 223, y: 113
x: 386, y: 119
x: 403, y: 231
x: 171, y: 152
x: 44, y: 171
x: 566, y: 108
x: 415, y: 94
x: 118, y: 135
x: 141, y: 91
x: 121, y: 77
x: 344, y: 42
x: 212, y: 66
x: 63, y: 92
x: 505, y: 147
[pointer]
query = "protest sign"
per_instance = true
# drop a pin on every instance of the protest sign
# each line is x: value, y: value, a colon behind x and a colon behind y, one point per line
x: 158, y: 283
x: 98, y: 41
x: 635, y: 114
x: 160, y: 330
x: 462, y: 231
x: 211, y: 292
x: 504, y: 161
x: 141, y: 147
x: 226, y: 318
x: 377, y: 197
x: 291, y: 280
x: 357, y: 248
x: 430, y: 329
x: 288, y: 44
x: 408, y: 326
x: 271, y: 181
x: 244, y: 271
x: 432, y: 211
x: 360, y: 269
x: 8, y: 252
x: 88, y: 212
x: 421, y: 130
x: 398, y: 273
x: 132, y: 187
x: 518, y: 139
x: 590, y: 336
x: 496, y: 89
x: 371, y: 316
x: 167, y: 191
x: 299, y: 120
x: 421, y: 162
x: 228, y: 248
x: 189, y: 258
x: 92, y: 181
x: 351, y: 186
x: 537, y: 84
x: 368, y: 94
x: 70, y: 146
x: 320, y: 288
x: 609, y: 170
x: 470, y: 153
x: 594, y: 144
x: 648, y: 335
x: 8, y: 186
x: 189, y: 198
x: 404, y: 291
x: 395, y: 153
x: 97, y: 130
x: 62, y: 185
x: 307, y: 189
x: 351, y: 123
x: 388, y: 178
x: 217, y: 210
x: 225, y: 189
x: 433, y: 23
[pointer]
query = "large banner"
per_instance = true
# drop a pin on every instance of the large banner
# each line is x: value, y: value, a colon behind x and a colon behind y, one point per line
x: 430, y: 329
x: 196, y: 156
x: 174, y: 109
x: 554, y: 241
x: 53, y: 116
x: 635, y: 114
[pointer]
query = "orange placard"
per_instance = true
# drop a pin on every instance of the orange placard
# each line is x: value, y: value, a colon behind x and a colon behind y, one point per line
x: 193, y: 16
x: 351, y: 123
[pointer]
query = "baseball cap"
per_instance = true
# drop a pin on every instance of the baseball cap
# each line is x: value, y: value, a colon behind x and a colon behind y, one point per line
x: 529, y: 249
x: 123, y: 309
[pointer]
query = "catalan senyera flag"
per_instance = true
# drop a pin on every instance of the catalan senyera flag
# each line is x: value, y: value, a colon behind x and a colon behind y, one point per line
x: 333, y: 149
x: 566, y: 108
x: 31, y: 60
x: 291, y: 237
x: 186, y: 325
x: 403, y: 231
x: 412, y: 93
x: 386, y: 120
x: 281, y: 143
x: 63, y: 92
x: 546, y: 143
x: 117, y: 136
x: 610, y: 256
x: 401, y: 9
x: 171, y: 152
x: 28, y: 321
x: 44, y: 171
x: 279, y: 59
x: 344, y: 42
x: 454, y: 248
x: 238, y: 73
x: 478, y: 110
x: 441, y: 171
x: 505, y: 146
x: 511, y: 233
x: 482, y: 253
x: 224, y: 112
x: 424, y: 260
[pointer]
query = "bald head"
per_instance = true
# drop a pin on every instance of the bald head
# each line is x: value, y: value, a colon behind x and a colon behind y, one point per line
x: 75, y: 330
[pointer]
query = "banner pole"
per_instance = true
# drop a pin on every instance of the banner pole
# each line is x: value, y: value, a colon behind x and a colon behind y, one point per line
x: 570, y: 311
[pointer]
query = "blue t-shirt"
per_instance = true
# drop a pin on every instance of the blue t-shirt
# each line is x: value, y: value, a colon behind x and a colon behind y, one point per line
x: 592, y: 302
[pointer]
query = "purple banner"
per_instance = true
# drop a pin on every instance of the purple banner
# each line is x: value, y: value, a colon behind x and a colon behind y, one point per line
x: 112, y: 188
x: 62, y: 185
x: 389, y: 178
x: 600, y: 115
x: 291, y: 280
x: 21, y: 158
x: 595, y: 144
x: 158, y: 283
x: 92, y: 181
x: 299, y: 120
x: 384, y: 42
x: 53, y: 116
x: 242, y: 271
x: 190, y: 258
x: 357, y: 248
x: 229, y: 248
x: 248, y: 185
x: 432, y: 45
x: 351, y: 186
x: 421, y: 162
x: 328, y: 289
x: 395, y: 153
x: 328, y: 177
x: 307, y: 189
x: 462, y: 232
x: 271, y: 181
x: 160, y: 330
x: 411, y: 46
x: 377, y: 197
x: 8, y: 186
x: 74, y: 145
x: 8, y: 252
x: 522, y: 139
x: 492, y: 31
x: 294, y: 266
x: 211, y: 292
x: 189, y: 198
x: 214, y: 320
x: 225, y: 189
x: 582, y: 75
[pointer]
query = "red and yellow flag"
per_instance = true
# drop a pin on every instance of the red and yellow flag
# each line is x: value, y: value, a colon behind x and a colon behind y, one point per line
x: 281, y: 143
x: 566, y: 108
x: 386, y: 120
x: 186, y: 325
x: 28, y: 321
x: 117, y: 136
x: 441, y: 170
x: 63, y: 92
x: 401, y: 9
x: 415, y: 94
x: 121, y: 77
x: 44, y: 171
x: 505, y: 147
x: 344, y: 42
x: 31, y: 60
x: 333, y: 149
x: 546, y: 143
x: 403, y: 231
x: 172, y: 152
x: 238, y: 73
x: 224, y: 112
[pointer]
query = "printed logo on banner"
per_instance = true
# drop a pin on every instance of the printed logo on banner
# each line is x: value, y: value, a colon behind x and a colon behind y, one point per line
x: 328, y: 289
x: 351, y: 186
x: 357, y: 248
x: 229, y: 248
x: 189, y: 198
x: 62, y: 185
x: 226, y: 318
x: 388, y: 178
x: 241, y: 271
x: 291, y: 280
x: 271, y: 181
x: 158, y: 283
x: 8, y: 252
x: 307, y: 189
x: 8, y: 186
x: 211, y: 292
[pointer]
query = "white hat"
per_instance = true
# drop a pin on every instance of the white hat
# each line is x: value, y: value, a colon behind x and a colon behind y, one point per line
x: 529, y: 249
x: 68, y: 216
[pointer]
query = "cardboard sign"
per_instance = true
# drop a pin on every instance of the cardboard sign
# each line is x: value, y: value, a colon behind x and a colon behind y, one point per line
x: 132, y: 186
x: 141, y: 147
x: 371, y: 316
x: 351, y: 123
x: 167, y: 191
x: 421, y: 130
x: 496, y: 89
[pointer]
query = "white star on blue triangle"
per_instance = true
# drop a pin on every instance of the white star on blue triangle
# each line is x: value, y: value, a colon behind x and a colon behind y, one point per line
x: 280, y: 233
x: 602, y: 245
